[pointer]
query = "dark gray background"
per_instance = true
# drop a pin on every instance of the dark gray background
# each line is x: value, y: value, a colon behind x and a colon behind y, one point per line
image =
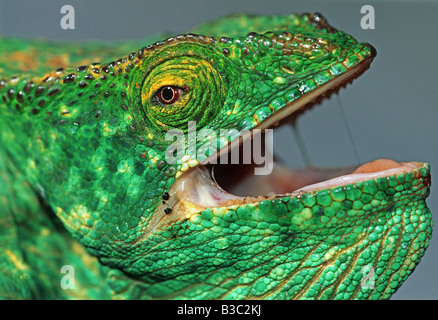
x: 392, y: 110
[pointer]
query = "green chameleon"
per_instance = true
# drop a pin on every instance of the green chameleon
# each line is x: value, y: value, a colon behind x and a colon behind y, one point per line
x: 91, y: 208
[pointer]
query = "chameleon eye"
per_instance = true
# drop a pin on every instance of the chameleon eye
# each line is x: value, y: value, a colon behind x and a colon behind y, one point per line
x: 168, y: 94
x: 178, y: 88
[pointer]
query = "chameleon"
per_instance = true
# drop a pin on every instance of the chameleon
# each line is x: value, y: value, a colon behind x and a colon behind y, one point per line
x: 91, y: 207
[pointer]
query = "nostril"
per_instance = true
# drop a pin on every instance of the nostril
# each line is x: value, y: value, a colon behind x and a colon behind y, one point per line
x: 373, y: 50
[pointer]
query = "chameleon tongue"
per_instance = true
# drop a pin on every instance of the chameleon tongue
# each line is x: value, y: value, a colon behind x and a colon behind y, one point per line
x: 378, y: 165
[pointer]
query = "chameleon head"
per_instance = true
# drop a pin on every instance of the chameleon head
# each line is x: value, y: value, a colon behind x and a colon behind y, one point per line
x: 160, y: 217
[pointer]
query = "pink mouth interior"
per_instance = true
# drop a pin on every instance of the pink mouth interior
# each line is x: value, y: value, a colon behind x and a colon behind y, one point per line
x: 239, y: 180
x: 234, y: 184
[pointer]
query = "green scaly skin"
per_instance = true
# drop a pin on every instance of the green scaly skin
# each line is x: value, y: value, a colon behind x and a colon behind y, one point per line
x: 84, y: 180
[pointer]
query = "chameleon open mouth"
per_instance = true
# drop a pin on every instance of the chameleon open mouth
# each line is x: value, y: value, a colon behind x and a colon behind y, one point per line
x: 228, y: 185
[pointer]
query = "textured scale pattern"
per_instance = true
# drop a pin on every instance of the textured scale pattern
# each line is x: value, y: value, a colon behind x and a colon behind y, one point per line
x: 84, y: 180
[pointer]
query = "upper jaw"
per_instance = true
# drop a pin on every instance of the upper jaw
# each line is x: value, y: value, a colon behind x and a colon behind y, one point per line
x: 195, y: 189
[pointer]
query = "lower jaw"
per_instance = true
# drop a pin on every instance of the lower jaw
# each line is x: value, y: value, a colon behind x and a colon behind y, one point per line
x: 389, y: 232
